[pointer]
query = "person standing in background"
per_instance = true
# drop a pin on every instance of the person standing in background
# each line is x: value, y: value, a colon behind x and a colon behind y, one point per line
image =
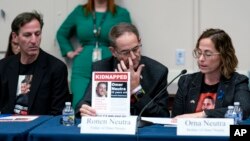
x: 90, y: 24
x: 13, y: 47
x: 217, y: 78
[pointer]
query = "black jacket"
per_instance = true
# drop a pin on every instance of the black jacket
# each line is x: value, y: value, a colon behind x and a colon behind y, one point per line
x: 49, y: 87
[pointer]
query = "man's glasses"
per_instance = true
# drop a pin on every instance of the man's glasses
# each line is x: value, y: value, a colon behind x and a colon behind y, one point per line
x: 206, y: 54
x: 127, y: 52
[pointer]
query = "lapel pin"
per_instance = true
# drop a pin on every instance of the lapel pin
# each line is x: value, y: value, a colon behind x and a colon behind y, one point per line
x: 192, y: 101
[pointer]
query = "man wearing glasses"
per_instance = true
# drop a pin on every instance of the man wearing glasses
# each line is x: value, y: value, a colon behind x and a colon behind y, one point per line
x: 148, y: 77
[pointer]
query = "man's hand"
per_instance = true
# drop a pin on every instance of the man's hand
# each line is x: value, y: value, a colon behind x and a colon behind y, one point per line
x: 134, y: 74
x: 86, y: 110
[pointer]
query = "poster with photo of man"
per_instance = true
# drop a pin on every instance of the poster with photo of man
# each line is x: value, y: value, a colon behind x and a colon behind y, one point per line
x: 22, y: 98
x: 111, y: 93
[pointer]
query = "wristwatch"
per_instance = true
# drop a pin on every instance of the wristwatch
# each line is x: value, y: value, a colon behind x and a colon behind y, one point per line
x: 139, y: 94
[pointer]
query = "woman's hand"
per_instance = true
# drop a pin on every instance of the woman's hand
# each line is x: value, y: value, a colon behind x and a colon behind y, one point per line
x: 72, y: 54
x: 201, y: 114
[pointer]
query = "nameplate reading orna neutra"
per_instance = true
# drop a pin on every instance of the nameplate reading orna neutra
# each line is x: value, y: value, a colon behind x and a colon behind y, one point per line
x: 204, y: 126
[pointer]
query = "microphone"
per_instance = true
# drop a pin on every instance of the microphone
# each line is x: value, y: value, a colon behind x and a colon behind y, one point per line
x: 142, y: 123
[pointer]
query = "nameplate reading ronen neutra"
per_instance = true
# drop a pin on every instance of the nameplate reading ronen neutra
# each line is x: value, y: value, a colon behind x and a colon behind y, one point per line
x: 204, y: 126
x: 108, y: 125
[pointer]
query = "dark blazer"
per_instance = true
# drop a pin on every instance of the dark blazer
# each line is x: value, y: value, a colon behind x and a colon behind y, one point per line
x: 154, y: 79
x: 49, y: 88
x: 229, y: 91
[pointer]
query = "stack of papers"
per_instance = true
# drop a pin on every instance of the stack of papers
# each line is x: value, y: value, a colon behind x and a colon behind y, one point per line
x: 164, y: 121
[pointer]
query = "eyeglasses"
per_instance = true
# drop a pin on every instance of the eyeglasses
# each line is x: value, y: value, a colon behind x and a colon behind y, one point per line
x: 127, y: 52
x: 206, y: 54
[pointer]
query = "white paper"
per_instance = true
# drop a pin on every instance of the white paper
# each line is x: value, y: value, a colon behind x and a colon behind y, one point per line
x: 108, y: 125
x: 204, y: 126
x: 156, y: 120
x: 17, y: 118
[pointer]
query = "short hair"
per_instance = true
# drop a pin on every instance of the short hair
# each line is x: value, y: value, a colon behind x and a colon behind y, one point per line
x: 25, y: 17
x: 119, y: 29
x: 105, y: 83
x: 223, y: 44
x: 209, y: 97
x: 27, y: 79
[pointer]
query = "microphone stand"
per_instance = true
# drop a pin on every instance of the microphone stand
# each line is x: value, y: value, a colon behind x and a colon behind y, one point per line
x: 141, y: 123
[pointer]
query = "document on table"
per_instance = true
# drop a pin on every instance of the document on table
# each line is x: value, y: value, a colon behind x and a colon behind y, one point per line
x: 164, y: 121
x: 16, y: 118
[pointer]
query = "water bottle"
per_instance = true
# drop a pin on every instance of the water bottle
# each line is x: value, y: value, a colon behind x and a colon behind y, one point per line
x: 68, y: 117
x: 231, y: 113
x: 238, y: 111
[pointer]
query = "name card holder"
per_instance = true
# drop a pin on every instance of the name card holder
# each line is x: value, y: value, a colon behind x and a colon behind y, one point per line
x: 204, y: 126
x: 108, y: 125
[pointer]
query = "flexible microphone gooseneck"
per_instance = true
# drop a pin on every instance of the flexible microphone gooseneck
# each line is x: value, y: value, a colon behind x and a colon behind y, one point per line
x: 141, y: 123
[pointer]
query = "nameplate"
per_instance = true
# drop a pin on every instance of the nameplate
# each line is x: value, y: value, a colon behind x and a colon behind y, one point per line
x: 204, y: 126
x: 108, y: 125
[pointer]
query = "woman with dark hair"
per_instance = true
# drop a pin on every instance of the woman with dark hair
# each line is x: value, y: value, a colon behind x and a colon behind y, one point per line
x: 13, y: 47
x: 89, y: 24
x: 217, y: 78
